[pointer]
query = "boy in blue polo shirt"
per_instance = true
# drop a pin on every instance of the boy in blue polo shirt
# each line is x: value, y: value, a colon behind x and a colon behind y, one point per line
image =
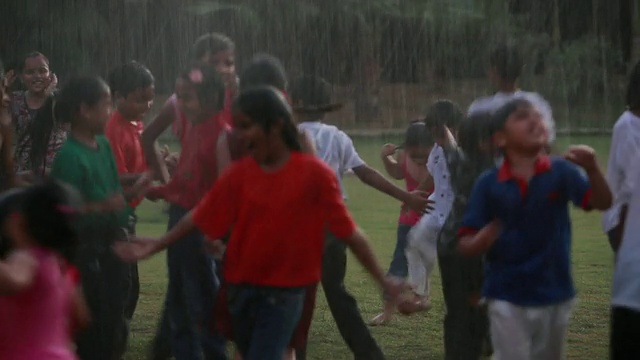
x: 518, y: 216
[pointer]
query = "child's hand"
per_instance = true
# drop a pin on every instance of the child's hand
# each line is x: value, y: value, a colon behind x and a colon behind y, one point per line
x: 215, y: 248
x: 137, y: 249
x: 154, y: 193
x: 583, y: 156
x: 419, y: 202
x: 388, y: 150
x: 53, y: 84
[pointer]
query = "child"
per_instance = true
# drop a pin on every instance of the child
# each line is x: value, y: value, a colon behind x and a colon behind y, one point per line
x: 266, y: 289
x: 311, y: 97
x: 465, y: 322
x: 442, y: 120
x: 38, y: 138
x: 192, y: 278
x: 623, y: 162
x: 262, y: 70
x: 411, y: 166
x: 86, y: 162
x: 132, y: 88
x: 518, y: 215
x: 38, y: 300
x: 215, y: 50
x: 505, y: 67
x: 625, y: 307
x: 7, y: 172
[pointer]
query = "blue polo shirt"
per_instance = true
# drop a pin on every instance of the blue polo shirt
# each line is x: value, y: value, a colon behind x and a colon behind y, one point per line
x: 529, y: 264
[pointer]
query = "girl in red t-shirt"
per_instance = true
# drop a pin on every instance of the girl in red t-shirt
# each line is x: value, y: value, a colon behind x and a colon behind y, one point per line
x: 278, y: 202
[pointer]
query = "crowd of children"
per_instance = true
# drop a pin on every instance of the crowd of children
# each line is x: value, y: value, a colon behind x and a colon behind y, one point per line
x: 257, y: 214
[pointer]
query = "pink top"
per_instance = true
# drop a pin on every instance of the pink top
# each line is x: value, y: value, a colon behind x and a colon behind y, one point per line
x: 35, y: 324
x: 411, y: 217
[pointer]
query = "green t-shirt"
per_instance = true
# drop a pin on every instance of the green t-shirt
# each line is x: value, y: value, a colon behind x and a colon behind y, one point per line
x: 93, y: 173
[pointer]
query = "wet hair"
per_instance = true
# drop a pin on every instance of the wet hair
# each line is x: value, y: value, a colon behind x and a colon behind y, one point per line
x: 266, y: 105
x: 130, y: 77
x: 417, y: 135
x: 207, y: 82
x: 507, y: 61
x: 633, y: 89
x: 33, y: 54
x: 87, y: 90
x: 212, y: 43
x: 38, y: 135
x: 500, y: 116
x: 310, y: 90
x: 474, y: 130
x: 444, y: 113
x: 264, y: 70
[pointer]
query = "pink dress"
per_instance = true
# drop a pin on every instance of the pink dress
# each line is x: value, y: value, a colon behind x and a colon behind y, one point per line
x: 35, y: 324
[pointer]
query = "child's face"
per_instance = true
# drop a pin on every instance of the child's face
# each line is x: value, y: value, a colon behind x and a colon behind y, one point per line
x: 189, y: 103
x: 224, y: 62
x: 96, y: 116
x: 523, y: 131
x: 252, y: 136
x: 136, y: 104
x: 418, y: 154
x: 36, y: 75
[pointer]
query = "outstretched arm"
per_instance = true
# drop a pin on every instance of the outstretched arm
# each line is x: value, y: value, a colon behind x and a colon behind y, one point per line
x: 416, y: 201
x: 152, y: 152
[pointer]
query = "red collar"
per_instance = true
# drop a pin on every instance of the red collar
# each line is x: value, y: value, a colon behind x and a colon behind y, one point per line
x: 543, y: 163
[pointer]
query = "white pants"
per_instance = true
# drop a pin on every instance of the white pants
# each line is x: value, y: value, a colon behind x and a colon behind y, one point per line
x: 422, y: 253
x: 529, y: 333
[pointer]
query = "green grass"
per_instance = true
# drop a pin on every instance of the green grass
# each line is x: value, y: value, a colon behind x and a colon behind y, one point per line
x: 418, y: 337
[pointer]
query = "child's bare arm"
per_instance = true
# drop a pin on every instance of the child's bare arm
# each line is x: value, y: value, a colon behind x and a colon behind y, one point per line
x: 151, y: 149
x: 223, y: 153
x: 391, y: 165
x: 6, y: 153
x: 17, y: 272
x: 113, y: 203
x: 416, y: 201
x: 585, y: 156
x: 480, y: 242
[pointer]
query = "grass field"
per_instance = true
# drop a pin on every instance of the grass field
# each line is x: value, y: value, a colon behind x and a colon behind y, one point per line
x: 418, y: 337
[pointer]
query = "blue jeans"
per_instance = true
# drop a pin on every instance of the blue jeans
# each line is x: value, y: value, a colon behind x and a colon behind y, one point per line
x: 188, y: 309
x: 264, y: 319
x: 399, y: 267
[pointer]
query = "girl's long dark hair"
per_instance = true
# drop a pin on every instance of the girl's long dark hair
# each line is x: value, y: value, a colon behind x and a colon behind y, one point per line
x: 39, y: 134
x: 266, y: 105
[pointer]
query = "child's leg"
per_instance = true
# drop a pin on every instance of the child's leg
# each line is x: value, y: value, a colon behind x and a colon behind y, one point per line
x: 550, y: 337
x: 625, y: 327
x: 264, y: 319
x: 415, y: 263
x: 510, y: 331
x: 398, y: 266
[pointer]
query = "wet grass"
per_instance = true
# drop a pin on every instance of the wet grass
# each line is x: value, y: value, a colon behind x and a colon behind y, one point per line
x: 418, y: 337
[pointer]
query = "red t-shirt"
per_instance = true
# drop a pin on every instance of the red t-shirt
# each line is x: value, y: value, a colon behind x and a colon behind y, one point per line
x: 197, y: 166
x: 124, y: 137
x: 277, y: 220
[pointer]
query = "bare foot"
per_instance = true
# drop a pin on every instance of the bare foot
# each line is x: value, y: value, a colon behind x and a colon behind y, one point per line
x: 414, y: 305
x: 380, y: 319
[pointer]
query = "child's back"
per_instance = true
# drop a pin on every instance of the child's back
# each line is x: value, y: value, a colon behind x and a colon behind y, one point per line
x: 35, y: 322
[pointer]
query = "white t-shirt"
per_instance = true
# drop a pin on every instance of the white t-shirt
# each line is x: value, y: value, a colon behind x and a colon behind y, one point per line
x: 334, y: 147
x: 442, y: 191
x: 492, y: 103
x: 623, y: 165
x: 626, y: 276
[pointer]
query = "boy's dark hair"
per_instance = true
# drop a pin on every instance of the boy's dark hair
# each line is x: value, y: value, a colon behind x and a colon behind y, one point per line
x: 130, y: 77
x: 507, y: 62
x: 212, y: 43
x: 473, y: 130
x: 79, y: 90
x: 418, y: 135
x: 208, y: 83
x: 444, y: 113
x: 633, y: 89
x: 266, y: 105
x: 310, y: 90
x: 30, y: 55
x: 500, y: 116
x: 49, y: 210
x: 264, y: 70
